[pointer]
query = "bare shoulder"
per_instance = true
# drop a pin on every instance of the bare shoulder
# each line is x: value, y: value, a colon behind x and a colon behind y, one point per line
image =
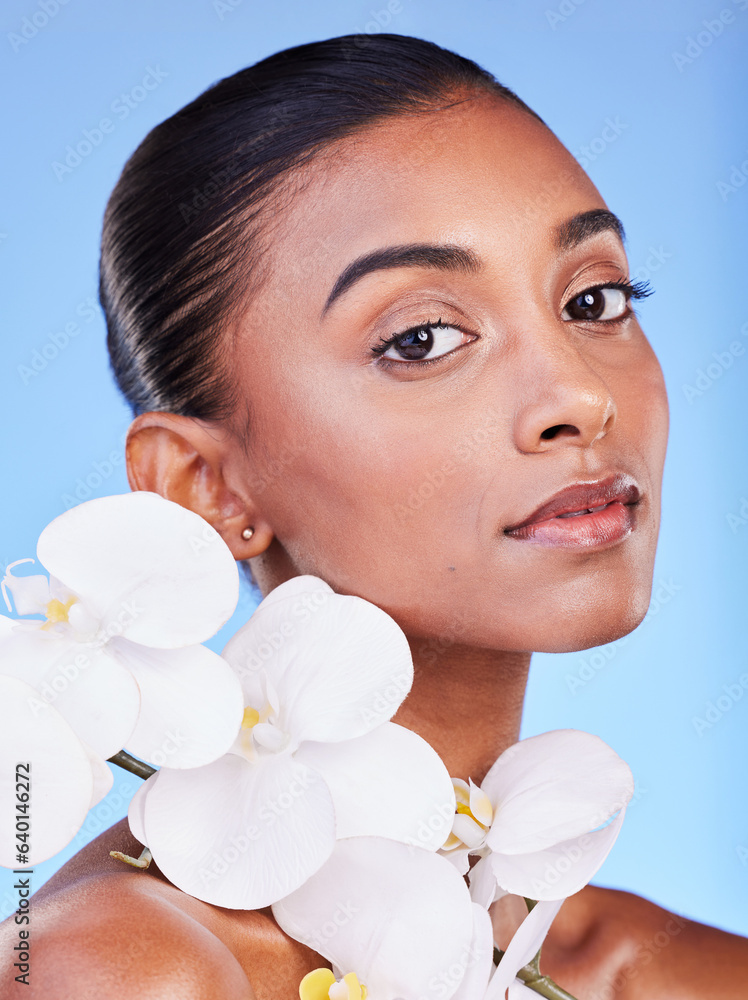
x: 611, y: 944
x: 102, y: 929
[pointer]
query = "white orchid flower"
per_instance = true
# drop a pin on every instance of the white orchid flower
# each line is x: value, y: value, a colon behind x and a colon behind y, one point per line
x: 315, y: 759
x: 136, y: 582
x: 544, y: 818
x: 524, y: 946
x: 395, y: 922
x: 49, y: 779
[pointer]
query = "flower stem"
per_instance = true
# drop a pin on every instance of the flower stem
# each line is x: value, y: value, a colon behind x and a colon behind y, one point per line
x: 532, y: 977
x: 142, y: 862
x: 132, y: 764
x: 543, y: 985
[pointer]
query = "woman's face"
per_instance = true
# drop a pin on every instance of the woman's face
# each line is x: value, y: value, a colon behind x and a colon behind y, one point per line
x: 395, y: 471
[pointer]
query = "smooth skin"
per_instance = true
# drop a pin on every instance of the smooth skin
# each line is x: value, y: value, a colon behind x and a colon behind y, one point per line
x: 327, y: 458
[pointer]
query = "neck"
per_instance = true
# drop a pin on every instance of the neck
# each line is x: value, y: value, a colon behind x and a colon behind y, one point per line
x: 467, y: 703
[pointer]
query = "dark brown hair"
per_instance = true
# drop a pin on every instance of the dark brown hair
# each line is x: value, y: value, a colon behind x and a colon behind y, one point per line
x: 182, y: 239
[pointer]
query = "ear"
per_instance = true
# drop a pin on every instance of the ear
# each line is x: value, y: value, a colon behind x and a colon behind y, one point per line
x: 193, y: 463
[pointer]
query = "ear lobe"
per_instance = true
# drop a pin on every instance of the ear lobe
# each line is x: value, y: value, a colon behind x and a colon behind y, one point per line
x: 182, y: 459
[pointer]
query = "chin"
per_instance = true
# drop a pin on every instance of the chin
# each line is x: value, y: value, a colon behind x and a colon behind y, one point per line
x: 581, y: 629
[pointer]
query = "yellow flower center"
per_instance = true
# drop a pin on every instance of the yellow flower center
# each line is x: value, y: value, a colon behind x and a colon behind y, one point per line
x: 322, y: 985
x: 56, y: 611
x: 251, y: 717
x: 472, y: 803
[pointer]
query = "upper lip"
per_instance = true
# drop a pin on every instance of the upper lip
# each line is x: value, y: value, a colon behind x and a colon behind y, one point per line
x: 580, y: 496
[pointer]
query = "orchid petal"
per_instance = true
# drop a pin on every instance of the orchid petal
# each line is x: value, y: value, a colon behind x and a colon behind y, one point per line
x: 7, y: 628
x: 558, y: 871
x: 237, y: 834
x: 340, y: 670
x: 297, y: 587
x: 462, y: 791
x: 484, y: 889
x: 30, y: 593
x: 470, y: 833
x: 399, y: 917
x: 552, y: 788
x: 479, y: 961
x: 387, y: 783
x: 523, y: 947
x: 101, y: 774
x: 191, y: 703
x: 97, y: 696
x: 459, y: 857
x: 518, y: 991
x: 480, y: 805
x: 136, y: 809
x: 59, y: 776
x: 148, y: 569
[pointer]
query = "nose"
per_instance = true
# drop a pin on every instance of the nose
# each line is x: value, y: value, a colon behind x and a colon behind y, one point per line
x: 564, y: 400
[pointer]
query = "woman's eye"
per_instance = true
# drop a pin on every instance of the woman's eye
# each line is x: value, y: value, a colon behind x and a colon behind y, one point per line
x: 422, y: 343
x: 597, y: 304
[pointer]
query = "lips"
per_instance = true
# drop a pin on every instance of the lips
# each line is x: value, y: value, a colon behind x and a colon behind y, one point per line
x: 583, y: 498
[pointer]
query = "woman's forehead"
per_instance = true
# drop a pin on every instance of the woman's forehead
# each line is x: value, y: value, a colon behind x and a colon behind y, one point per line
x: 480, y: 170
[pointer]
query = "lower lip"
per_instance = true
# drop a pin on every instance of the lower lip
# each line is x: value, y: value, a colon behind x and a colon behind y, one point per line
x: 611, y: 524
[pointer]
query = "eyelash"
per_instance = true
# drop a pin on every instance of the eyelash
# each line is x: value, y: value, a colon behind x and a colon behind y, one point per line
x: 632, y: 289
x: 385, y: 344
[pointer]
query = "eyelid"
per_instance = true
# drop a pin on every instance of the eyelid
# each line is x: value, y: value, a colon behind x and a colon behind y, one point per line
x: 386, y: 342
x: 631, y: 289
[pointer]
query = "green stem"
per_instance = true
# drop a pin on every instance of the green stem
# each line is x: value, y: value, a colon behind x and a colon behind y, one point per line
x: 132, y: 764
x: 543, y: 985
x: 532, y: 977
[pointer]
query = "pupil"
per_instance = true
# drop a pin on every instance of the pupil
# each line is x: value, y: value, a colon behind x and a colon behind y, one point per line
x: 416, y: 345
x: 589, y: 305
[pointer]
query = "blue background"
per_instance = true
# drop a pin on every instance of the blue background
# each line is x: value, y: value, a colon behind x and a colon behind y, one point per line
x: 677, y: 89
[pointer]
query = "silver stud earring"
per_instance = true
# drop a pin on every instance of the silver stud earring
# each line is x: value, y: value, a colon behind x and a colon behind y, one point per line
x: 247, y: 533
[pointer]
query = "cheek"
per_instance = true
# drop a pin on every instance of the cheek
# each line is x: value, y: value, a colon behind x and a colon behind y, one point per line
x: 379, y: 487
x: 645, y: 412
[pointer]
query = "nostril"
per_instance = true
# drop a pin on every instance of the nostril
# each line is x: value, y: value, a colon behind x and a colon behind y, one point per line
x: 552, y: 432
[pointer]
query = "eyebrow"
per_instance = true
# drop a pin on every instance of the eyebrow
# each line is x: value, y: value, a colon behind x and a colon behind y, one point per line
x: 449, y: 257
x: 582, y: 227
